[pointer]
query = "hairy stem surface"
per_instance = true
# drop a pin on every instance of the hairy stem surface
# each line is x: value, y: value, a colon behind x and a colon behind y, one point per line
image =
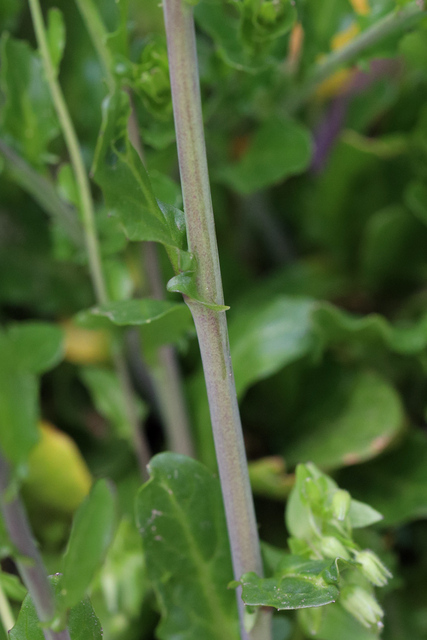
x: 211, y: 325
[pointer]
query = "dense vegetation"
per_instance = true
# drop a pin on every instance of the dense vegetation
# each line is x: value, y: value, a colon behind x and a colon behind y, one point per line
x: 315, y: 121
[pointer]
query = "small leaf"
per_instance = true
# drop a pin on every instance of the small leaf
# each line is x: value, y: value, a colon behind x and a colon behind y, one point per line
x: 91, y: 535
x: 126, y: 186
x: 83, y: 623
x: 137, y: 312
x: 362, y: 515
x: 37, y: 346
x: 310, y: 583
x: 185, y: 283
x: 108, y: 399
x: 56, y: 36
x: 181, y: 519
x: 278, y: 149
x: 28, y: 119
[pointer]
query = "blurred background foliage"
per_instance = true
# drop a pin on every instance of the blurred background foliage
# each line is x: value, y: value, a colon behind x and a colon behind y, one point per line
x: 320, y: 197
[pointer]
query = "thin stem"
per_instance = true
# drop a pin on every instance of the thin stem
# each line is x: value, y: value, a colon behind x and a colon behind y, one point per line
x: 29, y: 563
x: 43, y: 192
x: 393, y: 22
x: 211, y: 325
x: 142, y: 449
x: 6, y: 613
x: 86, y: 204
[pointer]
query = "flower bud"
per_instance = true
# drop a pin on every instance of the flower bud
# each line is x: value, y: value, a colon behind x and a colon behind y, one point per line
x: 362, y: 605
x: 372, y: 567
x: 341, y: 504
x: 331, y: 547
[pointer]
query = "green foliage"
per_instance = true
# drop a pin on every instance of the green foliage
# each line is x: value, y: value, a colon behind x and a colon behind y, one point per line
x: 28, y: 121
x: 83, y: 623
x: 91, y: 535
x: 181, y: 519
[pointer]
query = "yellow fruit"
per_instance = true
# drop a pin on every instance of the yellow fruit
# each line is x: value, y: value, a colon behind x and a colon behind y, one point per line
x: 58, y: 477
x: 86, y: 346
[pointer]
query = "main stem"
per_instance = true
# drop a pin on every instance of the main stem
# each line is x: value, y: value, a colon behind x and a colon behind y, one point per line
x: 88, y: 219
x: 211, y: 325
x: 30, y: 563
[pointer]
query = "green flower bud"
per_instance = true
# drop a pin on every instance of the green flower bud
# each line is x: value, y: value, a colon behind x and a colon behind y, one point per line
x: 152, y: 81
x: 341, y: 504
x: 362, y: 605
x: 372, y: 567
x: 331, y: 547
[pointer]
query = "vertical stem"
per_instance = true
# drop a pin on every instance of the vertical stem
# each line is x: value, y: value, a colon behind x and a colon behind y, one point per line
x: 211, y: 325
x: 88, y: 219
x: 30, y: 563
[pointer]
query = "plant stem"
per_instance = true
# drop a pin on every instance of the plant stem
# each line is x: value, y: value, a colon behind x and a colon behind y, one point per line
x: 211, y: 325
x: 29, y: 562
x: 395, y: 21
x: 43, y: 191
x: 88, y: 220
x: 6, y: 613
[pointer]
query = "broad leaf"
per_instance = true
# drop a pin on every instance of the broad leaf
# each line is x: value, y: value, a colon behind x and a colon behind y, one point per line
x: 265, y: 338
x: 83, y: 623
x: 353, y: 419
x: 278, y: 149
x: 91, y: 535
x: 395, y: 483
x: 302, y: 584
x: 28, y: 120
x: 37, y: 346
x: 181, y: 519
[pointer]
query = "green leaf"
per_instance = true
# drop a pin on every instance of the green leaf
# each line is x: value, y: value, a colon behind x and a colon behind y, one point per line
x: 362, y: 515
x: 334, y: 623
x: 353, y: 419
x: 12, y: 586
x: 28, y: 120
x: 83, y: 623
x: 55, y: 36
x: 278, y: 149
x: 394, y: 483
x: 265, y: 338
x: 138, y: 312
x: 185, y: 283
x: 37, y: 346
x: 91, y: 535
x: 108, y: 399
x: 19, y: 410
x: 181, y: 518
x: 125, y: 184
x: 303, y: 584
